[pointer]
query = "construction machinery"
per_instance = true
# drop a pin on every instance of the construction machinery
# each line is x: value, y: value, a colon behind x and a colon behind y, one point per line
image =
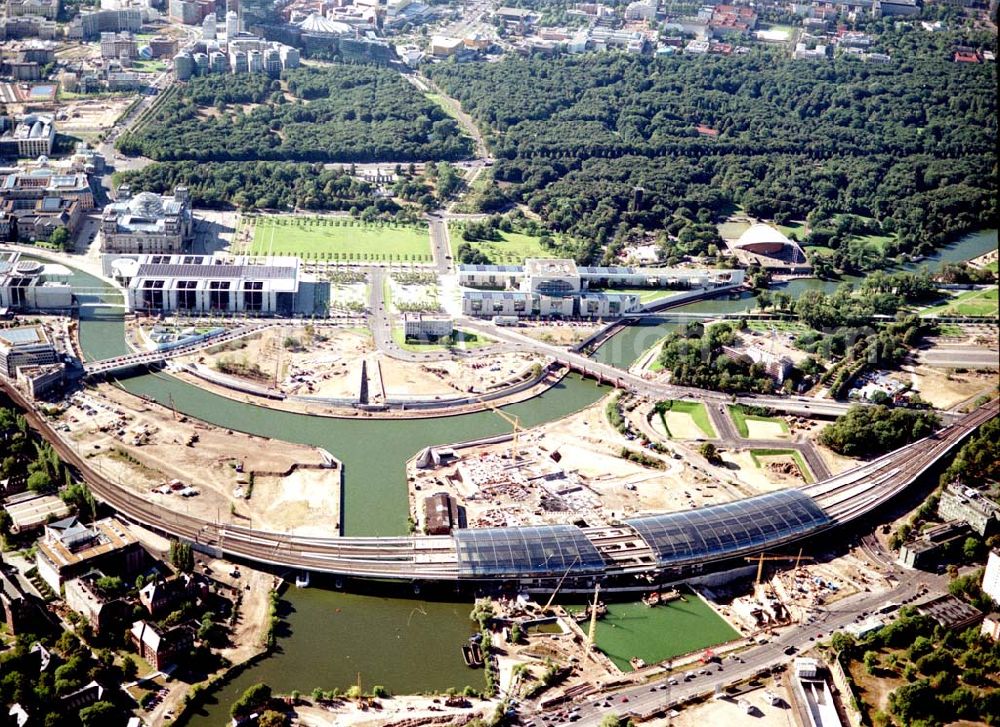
x: 762, y: 557
x: 548, y: 604
x: 514, y: 421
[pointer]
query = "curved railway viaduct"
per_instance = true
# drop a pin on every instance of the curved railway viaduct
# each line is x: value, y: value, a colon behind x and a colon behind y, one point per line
x: 665, y: 546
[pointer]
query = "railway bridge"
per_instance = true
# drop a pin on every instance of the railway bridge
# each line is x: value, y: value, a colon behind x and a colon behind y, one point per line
x: 656, y: 547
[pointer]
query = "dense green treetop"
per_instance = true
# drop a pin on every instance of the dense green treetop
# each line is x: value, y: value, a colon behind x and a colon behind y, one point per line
x: 338, y: 113
x: 909, y: 144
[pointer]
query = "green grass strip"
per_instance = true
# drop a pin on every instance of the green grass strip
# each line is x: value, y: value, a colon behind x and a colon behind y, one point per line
x: 740, y: 419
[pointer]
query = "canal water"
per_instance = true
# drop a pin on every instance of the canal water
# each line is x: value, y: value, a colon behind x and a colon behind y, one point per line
x: 678, y: 627
x: 407, y: 645
x: 629, y: 344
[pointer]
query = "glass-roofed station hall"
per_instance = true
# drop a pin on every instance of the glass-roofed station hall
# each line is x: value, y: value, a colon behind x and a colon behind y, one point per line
x: 669, y: 545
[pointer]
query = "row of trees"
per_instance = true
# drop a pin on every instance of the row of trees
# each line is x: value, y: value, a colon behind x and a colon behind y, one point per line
x: 341, y: 113
x: 267, y: 185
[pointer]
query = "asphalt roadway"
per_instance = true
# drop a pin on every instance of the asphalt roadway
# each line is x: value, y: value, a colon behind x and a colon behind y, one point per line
x: 755, y: 661
x: 948, y: 356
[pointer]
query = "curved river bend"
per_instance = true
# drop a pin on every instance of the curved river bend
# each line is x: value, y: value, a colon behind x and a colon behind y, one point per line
x: 332, y: 637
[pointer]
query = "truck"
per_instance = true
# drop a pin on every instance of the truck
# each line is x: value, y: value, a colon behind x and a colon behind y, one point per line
x: 505, y: 320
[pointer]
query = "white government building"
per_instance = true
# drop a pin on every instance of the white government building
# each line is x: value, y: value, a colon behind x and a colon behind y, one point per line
x: 32, y: 285
x: 215, y: 284
x: 557, y: 287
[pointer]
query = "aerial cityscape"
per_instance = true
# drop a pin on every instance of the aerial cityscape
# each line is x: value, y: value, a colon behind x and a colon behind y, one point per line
x: 448, y: 362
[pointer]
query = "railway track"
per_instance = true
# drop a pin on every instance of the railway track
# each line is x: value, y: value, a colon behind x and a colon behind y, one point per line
x: 847, y: 496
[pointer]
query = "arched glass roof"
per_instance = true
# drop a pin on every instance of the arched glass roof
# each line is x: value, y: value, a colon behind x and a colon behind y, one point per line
x: 729, y: 529
x: 550, y: 550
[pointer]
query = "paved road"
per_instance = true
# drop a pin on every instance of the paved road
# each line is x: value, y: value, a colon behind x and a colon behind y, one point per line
x: 440, y: 246
x: 946, y: 356
x: 730, y: 436
x: 799, y: 405
x: 753, y: 661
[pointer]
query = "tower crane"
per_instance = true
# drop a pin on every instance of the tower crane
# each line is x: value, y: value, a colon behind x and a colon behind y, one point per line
x: 762, y: 557
x: 514, y: 421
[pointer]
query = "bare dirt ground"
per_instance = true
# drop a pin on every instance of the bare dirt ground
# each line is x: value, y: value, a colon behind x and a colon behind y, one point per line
x: 326, y: 361
x: 306, y: 502
x: 764, y: 430
x: 728, y: 712
x: 945, y: 389
x: 92, y: 115
x: 560, y: 334
x: 345, y: 712
x: 139, y: 447
x: 681, y: 425
x: 781, y: 469
x: 452, y: 377
x: 747, y: 471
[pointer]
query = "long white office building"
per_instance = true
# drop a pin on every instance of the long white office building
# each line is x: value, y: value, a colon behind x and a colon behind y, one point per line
x: 557, y: 287
x: 512, y: 276
x: 212, y: 284
x: 28, y: 285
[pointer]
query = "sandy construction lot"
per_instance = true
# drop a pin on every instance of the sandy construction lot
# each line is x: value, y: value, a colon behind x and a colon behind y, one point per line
x: 143, y: 446
x: 306, y: 502
x: 681, y: 425
x: 326, y: 361
x: 728, y: 712
x: 764, y: 430
x: 945, y: 389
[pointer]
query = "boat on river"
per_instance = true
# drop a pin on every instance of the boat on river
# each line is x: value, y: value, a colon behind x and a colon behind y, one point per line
x: 584, y: 615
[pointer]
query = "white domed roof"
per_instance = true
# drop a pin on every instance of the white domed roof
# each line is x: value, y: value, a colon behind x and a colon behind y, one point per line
x: 146, y: 204
x: 761, y: 233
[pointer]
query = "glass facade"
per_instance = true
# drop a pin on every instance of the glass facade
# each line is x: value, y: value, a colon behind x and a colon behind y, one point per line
x: 730, y: 529
x: 526, y: 552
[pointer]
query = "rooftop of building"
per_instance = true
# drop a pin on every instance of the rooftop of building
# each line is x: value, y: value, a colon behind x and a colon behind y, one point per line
x: 32, y: 511
x: 949, y: 611
x: 761, y: 233
x: 23, y: 336
x: 68, y: 542
x: 550, y: 267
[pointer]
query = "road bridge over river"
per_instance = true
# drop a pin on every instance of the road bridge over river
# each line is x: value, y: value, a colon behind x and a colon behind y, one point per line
x: 615, y: 551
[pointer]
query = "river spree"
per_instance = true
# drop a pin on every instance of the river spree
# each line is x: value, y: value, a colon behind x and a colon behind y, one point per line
x: 404, y: 644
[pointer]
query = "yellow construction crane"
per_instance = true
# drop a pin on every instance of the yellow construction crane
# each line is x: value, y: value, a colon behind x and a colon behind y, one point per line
x: 762, y: 557
x: 548, y: 605
x: 514, y: 421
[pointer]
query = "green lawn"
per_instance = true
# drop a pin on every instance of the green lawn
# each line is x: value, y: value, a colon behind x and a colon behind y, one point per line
x: 731, y: 230
x: 793, y: 228
x: 657, y: 633
x: 149, y: 66
x: 740, y: 418
x: 755, y: 454
x: 969, y: 303
x: 461, y: 340
x: 818, y: 250
x: 877, y: 241
x: 512, y: 249
x: 696, y: 411
x: 992, y: 266
x: 340, y: 240
x: 443, y: 103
